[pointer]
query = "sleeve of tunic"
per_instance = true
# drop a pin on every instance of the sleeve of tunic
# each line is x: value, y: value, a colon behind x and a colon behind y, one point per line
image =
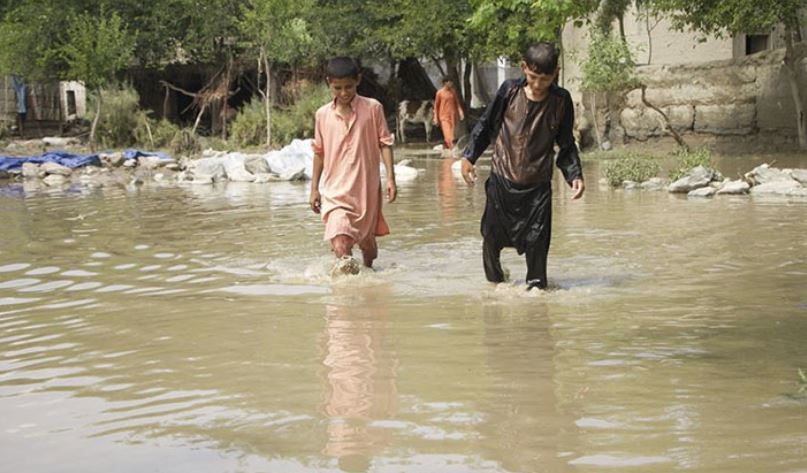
x: 317, y: 145
x: 488, y: 125
x: 568, y: 159
x: 385, y: 138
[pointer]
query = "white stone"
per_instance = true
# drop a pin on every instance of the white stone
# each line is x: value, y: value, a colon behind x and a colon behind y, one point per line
x: 707, y: 191
x: 54, y: 168
x: 55, y: 180
x: 30, y: 170
x: 734, y: 187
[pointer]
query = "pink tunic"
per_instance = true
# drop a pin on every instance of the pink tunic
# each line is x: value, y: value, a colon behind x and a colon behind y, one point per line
x: 351, y: 180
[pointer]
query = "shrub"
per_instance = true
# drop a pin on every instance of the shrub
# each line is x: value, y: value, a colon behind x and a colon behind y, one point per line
x: 185, y: 142
x: 249, y: 126
x: 631, y: 167
x: 686, y: 160
x: 154, y: 133
x: 120, y: 115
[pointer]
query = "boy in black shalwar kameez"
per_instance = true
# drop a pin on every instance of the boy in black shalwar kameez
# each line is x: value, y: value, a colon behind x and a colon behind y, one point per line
x: 526, y: 119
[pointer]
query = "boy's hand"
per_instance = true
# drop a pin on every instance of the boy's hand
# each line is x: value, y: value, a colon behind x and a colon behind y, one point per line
x: 315, y: 201
x: 578, y: 187
x: 392, y: 191
x: 468, y: 172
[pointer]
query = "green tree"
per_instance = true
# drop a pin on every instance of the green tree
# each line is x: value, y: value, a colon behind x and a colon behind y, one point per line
x: 275, y: 31
x: 506, y: 27
x: 750, y: 16
x: 97, y: 47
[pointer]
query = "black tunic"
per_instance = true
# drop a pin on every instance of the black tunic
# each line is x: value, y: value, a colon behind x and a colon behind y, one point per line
x: 519, y: 194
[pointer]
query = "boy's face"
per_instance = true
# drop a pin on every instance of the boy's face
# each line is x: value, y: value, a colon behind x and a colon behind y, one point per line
x: 344, y: 89
x: 538, y: 83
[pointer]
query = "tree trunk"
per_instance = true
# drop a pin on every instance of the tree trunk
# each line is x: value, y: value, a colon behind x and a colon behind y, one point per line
x: 268, y: 100
x: 791, y: 66
x: 597, y: 134
x: 667, y: 123
x: 452, y: 72
x: 466, y: 84
x: 95, y: 119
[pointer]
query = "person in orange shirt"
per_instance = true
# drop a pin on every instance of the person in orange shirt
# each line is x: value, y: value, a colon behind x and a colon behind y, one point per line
x: 351, y: 139
x: 446, y: 108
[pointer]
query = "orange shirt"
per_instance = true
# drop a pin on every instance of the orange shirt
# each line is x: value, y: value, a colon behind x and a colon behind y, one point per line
x: 351, y: 180
x: 446, y: 105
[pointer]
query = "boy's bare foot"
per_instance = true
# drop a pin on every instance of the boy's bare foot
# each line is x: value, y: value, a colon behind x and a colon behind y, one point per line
x: 345, y: 265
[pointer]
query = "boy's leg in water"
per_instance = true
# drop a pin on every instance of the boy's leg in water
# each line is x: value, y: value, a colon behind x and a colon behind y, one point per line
x: 369, y: 250
x: 343, y: 249
x: 491, y: 253
x: 342, y: 245
x: 536, y: 259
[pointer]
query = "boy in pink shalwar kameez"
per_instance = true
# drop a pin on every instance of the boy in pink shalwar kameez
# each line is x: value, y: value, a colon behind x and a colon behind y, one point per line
x: 351, y: 139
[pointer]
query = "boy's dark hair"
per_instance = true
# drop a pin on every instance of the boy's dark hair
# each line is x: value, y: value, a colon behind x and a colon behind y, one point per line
x: 342, y: 67
x: 445, y: 79
x: 542, y: 58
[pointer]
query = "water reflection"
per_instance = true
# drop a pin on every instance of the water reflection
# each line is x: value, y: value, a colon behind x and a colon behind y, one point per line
x: 359, y: 377
x: 524, y: 427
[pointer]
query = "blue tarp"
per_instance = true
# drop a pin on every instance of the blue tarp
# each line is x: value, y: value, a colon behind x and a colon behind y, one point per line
x: 8, y: 163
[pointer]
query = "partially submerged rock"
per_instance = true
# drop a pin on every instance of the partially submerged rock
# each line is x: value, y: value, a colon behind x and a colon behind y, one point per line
x: 696, y: 178
x: 737, y: 187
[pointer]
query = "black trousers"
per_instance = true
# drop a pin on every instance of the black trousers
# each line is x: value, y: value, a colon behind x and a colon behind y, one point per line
x: 519, y: 217
x: 536, y: 256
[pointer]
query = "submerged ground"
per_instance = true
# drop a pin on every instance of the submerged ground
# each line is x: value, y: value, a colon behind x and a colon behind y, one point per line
x: 196, y: 329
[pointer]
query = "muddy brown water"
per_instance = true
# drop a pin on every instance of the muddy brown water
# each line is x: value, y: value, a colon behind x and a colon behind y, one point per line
x: 196, y: 329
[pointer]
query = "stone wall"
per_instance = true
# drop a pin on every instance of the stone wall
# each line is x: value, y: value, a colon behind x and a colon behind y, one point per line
x: 729, y: 97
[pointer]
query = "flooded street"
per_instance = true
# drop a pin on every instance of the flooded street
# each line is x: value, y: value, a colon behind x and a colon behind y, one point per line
x: 196, y: 328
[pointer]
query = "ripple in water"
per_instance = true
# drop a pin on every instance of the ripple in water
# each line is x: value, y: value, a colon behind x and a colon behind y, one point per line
x: 13, y: 267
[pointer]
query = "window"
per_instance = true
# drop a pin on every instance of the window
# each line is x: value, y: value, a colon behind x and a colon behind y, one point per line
x: 755, y: 43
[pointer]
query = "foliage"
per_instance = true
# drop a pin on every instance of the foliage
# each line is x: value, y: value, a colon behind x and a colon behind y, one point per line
x: 121, y: 115
x: 249, y: 126
x: 506, y: 27
x: 686, y: 160
x: 276, y: 27
x: 732, y: 16
x: 186, y: 142
x: 802, y: 381
x: 5, y: 129
x: 97, y: 47
x: 298, y: 120
x: 31, y: 33
x: 610, y: 66
x: 631, y: 167
x: 154, y: 133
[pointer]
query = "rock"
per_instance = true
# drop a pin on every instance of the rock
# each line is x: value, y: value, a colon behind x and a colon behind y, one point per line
x: 173, y: 167
x: 798, y: 174
x: 202, y: 179
x: 55, y: 180
x: 764, y: 174
x: 207, y: 167
x: 298, y: 175
x: 654, y: 184
x: 54, y: 168
x: 606, y: 146
x: 734, y: 187
x: 111, y: 160
x: 136, y: 181
x: 707, y: 191
x: 148, y: 162
x: 30, y: 170
x: 262, y: 178
x: 59, y: 141
x: 129, y: 163
x: 256, y: 165
x: 630, y: 185
x: 789, y: 188
x: 696, y: 178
